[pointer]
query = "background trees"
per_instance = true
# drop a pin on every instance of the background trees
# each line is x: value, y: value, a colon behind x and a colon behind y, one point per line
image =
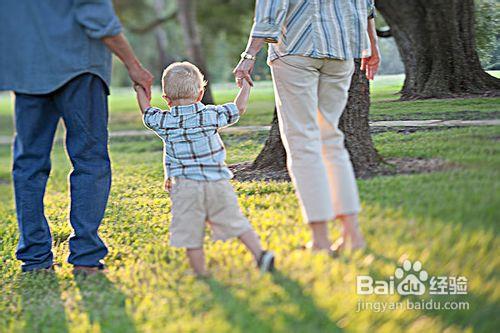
x: 437, y: 42
x: 440, y: 54
x: 223, y: 26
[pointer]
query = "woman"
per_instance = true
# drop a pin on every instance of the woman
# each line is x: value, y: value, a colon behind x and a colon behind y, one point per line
x: 312, y: 45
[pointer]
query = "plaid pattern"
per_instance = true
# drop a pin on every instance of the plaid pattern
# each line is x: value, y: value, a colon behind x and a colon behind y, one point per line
x: 193, y: 147
x: 314, y: 28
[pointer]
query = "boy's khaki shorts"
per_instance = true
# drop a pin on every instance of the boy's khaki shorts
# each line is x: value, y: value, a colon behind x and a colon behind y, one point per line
x: 196, y: 202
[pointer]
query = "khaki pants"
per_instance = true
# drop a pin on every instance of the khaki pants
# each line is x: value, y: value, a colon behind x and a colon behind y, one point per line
x: 195, y: 203
x: 311, y: 95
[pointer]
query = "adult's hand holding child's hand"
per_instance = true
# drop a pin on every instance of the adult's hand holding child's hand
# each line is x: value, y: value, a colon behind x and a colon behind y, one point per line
x: 141, y: 76
x: 243, y: 72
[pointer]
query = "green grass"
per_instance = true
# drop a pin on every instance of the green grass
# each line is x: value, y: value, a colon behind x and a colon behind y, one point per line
x: 448, y: 220
x: 124, y: 114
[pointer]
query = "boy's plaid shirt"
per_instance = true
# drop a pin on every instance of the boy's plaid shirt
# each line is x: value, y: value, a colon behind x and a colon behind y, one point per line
x: 192, y: 145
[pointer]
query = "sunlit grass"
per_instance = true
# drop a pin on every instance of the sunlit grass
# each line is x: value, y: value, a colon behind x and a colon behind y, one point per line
x: 448, y: 220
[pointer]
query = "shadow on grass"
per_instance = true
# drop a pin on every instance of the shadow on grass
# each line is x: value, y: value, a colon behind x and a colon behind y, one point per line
x: 480, y: 313
x: 311, y: 318
x: 237, y: 311
x: 439, y: 195
x: 104, y: 303
x: 42, y: 306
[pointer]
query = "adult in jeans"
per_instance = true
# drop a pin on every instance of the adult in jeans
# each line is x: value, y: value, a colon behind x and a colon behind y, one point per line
x: 56, y: 58
x: 312, y: 44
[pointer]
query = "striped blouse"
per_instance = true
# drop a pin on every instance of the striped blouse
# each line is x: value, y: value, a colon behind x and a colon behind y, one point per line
x: 314, y: 28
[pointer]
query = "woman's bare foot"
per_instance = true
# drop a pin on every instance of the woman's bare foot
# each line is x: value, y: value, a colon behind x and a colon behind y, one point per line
x: 352, y: 237
x: 320, y: 240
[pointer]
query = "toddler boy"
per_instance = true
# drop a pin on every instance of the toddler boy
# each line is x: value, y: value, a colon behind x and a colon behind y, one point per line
x: 195, y: 171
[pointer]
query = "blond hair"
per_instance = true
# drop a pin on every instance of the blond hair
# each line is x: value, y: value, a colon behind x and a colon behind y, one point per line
x: 182, y: 80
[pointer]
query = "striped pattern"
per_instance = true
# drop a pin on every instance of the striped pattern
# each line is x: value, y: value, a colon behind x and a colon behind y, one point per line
x: 314, y: 28
x: 192, y: 145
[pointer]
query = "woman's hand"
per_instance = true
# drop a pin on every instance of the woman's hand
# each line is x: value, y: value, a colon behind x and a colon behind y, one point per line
x: 243, y: 71
x: 371, y: 64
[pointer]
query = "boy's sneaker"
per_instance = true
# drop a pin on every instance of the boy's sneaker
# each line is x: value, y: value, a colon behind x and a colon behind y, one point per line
x: 266, y: 262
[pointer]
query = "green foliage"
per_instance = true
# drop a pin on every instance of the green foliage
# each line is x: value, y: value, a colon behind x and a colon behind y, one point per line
x: 225, y: 26
x: 391, y: 61
x: 488, y: 31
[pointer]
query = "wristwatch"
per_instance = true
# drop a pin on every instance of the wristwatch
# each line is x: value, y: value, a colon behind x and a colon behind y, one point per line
x: 248, y: 56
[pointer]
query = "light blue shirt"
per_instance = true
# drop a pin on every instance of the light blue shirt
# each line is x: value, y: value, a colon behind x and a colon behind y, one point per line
x: 314, y: 28
x: 46, y: 43
x: 192, y: 144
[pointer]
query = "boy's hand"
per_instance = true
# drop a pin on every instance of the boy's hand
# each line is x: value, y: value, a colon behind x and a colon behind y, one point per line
x: 142, y: 98
x: 168, y: 185
x: 246, y: 85
x: 241, y: 100
x: 139, y: 89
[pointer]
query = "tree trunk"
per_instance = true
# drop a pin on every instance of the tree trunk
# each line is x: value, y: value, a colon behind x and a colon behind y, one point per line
x: 354, y: 124
x: 186, y: 14
x: 164, y: 59
x: 436, y: 39
x: 273, y: 156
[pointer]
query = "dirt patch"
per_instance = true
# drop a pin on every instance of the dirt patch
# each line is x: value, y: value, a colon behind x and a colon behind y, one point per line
x: 392, y: 166
x: 495, y: 138
x: 450, y: 115
x: 408, y: 130
x: 408, y: 166
x: 243, y: 173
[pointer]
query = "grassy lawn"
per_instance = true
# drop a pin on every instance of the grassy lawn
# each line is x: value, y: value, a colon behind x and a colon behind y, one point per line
x: 448, y: 220
x: 124, y: 114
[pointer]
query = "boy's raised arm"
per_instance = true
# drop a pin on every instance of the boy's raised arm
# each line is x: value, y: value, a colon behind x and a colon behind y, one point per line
x: 142, y: 98
x: 241, y: 99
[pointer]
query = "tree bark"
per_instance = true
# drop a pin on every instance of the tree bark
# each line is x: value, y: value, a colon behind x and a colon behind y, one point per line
x: 164, y: 59
x: 186, y: 15
x: 272, y: 157
x: 436, y: 39
x: 354, y: 124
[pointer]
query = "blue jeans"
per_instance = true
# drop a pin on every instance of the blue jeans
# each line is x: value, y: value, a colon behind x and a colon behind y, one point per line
x: 83, y: 106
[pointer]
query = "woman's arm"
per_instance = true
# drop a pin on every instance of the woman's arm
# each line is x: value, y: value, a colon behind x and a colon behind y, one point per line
x: 244, y: 69
x: 268, y: 22
x: 371, y: 63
